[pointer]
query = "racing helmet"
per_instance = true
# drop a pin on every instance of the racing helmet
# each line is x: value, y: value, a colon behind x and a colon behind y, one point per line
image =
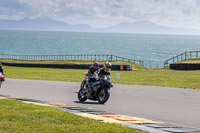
x: 96, y: 65
x: 107, y: 66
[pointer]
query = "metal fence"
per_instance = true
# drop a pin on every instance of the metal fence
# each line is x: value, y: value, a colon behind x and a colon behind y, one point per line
x: 93, y: 57
x: 153, y: 64
x: 99, y: 57
x: 183, y: 56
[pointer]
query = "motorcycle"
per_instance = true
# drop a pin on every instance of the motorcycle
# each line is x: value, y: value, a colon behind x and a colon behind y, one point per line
x: 101, y: 93
x: 1, y: 78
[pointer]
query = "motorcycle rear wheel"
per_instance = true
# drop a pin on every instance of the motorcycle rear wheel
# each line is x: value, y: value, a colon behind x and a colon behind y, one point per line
x: 103, y: 96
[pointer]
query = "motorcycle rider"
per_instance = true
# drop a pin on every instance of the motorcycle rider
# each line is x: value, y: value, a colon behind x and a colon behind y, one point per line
x: 105, y: 70
x: 102, y: 72
x: 91, y: 73
x: 1, y: 70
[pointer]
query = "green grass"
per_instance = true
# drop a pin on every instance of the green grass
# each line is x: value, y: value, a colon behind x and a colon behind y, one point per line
x: 73, y: 75
x: 197, y: 60
x: 153, y: 77
x: 165, y: 78
x: 18, y: 117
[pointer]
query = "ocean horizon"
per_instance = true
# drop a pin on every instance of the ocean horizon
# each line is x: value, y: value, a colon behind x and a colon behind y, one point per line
x: 145, y: 47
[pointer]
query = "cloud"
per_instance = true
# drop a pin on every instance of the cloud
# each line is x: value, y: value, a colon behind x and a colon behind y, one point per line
x: 101, y: 13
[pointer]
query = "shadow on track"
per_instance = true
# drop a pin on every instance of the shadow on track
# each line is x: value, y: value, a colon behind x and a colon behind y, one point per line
x: 88, y: 102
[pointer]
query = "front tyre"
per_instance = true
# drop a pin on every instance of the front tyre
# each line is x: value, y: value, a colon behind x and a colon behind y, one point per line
x: 81, y: 96
x: 103, y: 96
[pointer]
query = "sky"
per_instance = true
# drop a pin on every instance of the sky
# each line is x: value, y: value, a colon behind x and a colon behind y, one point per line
x: 105, y: 13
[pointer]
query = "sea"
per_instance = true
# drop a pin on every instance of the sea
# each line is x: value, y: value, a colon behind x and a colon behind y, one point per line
x: 152, y: 49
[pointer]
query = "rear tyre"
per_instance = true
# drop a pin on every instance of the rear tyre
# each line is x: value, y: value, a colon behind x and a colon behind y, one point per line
x: 103, y: 96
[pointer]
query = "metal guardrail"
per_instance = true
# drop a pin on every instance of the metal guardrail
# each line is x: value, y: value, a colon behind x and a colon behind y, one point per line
x: 84, y: 57
x: 183, y: 56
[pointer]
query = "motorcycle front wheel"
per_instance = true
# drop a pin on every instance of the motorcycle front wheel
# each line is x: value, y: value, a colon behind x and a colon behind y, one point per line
x: 103, y: 96
x: 81, y: 96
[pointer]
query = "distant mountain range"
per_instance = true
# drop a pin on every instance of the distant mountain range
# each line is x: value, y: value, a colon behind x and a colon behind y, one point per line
x: 47, y: 24
x: 44, y: 24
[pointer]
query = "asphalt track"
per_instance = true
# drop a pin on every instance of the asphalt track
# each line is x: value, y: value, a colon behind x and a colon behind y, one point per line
x: 172, y: 105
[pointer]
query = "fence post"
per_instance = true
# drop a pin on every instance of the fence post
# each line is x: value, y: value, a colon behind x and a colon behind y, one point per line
x: 181, y: 57
x: 185, y: 55
x: 177, y: 58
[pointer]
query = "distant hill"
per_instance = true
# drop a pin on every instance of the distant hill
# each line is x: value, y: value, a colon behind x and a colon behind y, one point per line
x: 147, y: 27
x: 47, y: 24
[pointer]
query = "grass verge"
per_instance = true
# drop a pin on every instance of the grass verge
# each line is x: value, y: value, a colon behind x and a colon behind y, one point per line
x: 197, y: 60
x: 153, y: 77
x: 20, y: 117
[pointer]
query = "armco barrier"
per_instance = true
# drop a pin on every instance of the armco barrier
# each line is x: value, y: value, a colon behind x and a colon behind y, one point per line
x: 126, y: 67
x: 185, y: 66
